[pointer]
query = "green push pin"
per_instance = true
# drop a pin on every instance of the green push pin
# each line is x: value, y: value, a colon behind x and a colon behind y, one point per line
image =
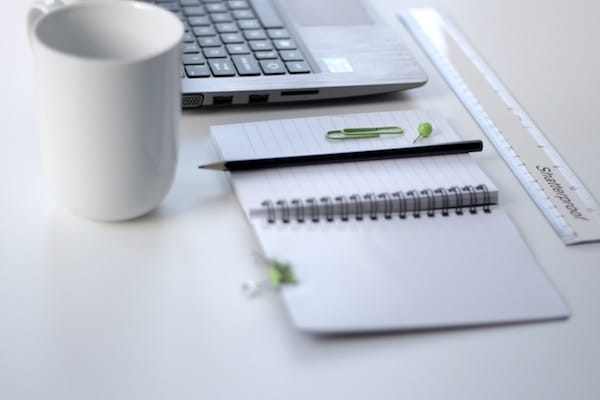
x: 424, y: 129
x: 279, y: 274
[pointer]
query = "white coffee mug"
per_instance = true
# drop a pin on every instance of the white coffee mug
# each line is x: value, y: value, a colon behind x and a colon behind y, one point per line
x: 108, y: 80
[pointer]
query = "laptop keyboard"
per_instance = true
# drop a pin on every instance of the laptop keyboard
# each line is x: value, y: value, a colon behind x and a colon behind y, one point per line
x: 227, y: 38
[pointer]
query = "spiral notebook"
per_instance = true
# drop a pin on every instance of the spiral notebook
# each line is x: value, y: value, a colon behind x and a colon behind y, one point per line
x: 401, y: 244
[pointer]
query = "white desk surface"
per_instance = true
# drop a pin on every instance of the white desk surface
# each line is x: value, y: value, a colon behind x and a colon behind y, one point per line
x: 152, y: 309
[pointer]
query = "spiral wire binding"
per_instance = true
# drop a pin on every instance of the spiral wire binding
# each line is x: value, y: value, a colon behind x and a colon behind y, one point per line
x: 358, y: 206
x: 372, y: 200
x: 401, y: 204
x: 344, y: 207
x: 446, y: 200
x: 430, y: 201
x: 314, y: 209
x: 373, y: 205
x: 299, y: 207
x: 459, y: 199
x: 285, y: 210
x: 328, y: 208
x: 486, y: 198
x: 416, y: 202
x: 387, y: 205
x: 472, y: 198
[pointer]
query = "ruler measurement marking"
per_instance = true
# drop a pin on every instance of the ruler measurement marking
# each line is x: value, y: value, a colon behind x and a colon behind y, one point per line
x: 555, y: 189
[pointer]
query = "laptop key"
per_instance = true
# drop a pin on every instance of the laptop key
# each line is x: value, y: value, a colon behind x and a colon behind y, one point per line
x: 243, y: 14
x: 193, y: 59
x: 246, y: 65
x: 265, y: 55
x: 237, y: 4
x: 272, y: 67
x: 190, y: 48
x: 249, y: 24
x: 199, y: 21
x: 216, y: 7
x: 209, y: 41
x: 221, y: 67
x: 232, y: 38
x: 221, y: 17
x: 204, y: 31
x: 278, y: 33
x: 226, y: 27
x: 284, y: 44
x: 194, y: 10
x: 197, y: 71
x: 214, y: 52
x: 291, y: 55
x: 255, y: 34
x: 297, y: 67
x: 189, y: 2
x: 260, y: 45
x: 240, y: 48
x: 170, y: 6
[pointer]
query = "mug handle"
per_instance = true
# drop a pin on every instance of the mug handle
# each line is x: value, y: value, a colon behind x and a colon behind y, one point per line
x: 37, y: 10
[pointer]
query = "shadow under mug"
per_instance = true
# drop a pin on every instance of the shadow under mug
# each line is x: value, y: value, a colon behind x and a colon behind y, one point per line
x: 108, y: 104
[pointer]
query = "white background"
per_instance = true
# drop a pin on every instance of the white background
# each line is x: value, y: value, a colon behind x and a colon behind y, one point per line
x: 152, y: 309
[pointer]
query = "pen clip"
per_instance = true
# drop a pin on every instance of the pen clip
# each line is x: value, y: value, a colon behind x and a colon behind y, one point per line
x: 363, y: 133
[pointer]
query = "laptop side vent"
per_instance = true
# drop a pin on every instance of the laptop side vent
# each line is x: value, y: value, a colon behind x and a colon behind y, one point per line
x: 192, y: 100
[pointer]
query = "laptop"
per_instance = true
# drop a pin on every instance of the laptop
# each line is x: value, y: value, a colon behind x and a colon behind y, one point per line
x: 275, y: 51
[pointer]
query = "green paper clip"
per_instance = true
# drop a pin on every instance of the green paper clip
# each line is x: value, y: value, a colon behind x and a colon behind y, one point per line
x: 363, y: 133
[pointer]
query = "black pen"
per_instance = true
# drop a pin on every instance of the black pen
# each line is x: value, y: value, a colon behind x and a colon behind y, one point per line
x: 466, y: 146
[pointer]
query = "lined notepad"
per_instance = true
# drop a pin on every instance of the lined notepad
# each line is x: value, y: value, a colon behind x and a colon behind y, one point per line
x: 306, y: 136
x: 380, y: 245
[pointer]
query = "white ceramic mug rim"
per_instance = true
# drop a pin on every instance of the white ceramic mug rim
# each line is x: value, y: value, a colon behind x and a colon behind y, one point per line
x: 114, y: 4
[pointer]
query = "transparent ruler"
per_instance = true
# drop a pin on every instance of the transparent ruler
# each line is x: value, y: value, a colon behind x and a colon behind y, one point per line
x: 559, y: 194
